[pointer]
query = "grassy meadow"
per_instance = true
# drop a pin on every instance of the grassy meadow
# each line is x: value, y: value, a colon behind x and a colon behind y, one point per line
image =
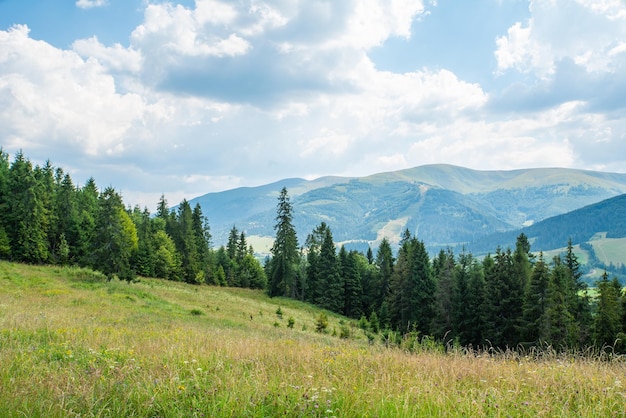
x: 73, y: 344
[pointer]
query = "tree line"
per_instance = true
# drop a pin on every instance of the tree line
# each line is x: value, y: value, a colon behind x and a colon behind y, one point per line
x: 46, y: 218
x: 510, y: 298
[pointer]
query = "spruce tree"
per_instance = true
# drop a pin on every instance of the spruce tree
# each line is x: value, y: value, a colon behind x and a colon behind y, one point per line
x: 313, y: 289
x: 578, y: 298
x: 536, y: 303
x: 27, y: 216
x: 185, y: 239
x: 284, y: 263
x: 446, y: 296
x: 385, y: 262
x: 351, y: 283
x: 607, y: 323
x: 476, y: 305
x: 332, y: 295
x: 116, y: 237
x: 561, y: 331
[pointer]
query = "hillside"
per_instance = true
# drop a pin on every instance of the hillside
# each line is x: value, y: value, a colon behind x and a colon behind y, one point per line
x: 74, y: 344
x: 598, y: 231
x: 443, y: 204
x: 581, y: 225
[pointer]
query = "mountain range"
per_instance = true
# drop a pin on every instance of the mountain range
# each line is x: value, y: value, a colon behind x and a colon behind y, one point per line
x: 444, y: 205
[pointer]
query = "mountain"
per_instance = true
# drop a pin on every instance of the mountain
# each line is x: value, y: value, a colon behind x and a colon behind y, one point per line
x: 444, y: 205
x: 607, y: 217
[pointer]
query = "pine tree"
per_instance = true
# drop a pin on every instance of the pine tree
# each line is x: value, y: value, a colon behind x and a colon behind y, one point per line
x: 285, y: 256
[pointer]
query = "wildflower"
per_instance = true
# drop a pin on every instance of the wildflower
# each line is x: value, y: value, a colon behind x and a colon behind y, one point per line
x: 181, y: 388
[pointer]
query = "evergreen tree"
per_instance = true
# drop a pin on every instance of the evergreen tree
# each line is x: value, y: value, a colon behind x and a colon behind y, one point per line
x: 313, y: 289
x: 412, y: 289
x: 116, y: 237
x: 446, y: 296
x: 231, y: 245
x: 185, y: 239
x: 46, y: 187
x: 5, y: 245
x: 351, y: 283
x: 88, y: 212
x: 385, y: 263
x: 202, y: 238
x: 462, y: 308
x: 27, y: 215
x: 67, y: 215
x: 536, y: 303
x: 476, y: 304
x: 607, y: 323
x: 284, y: 263
x: 332, y: 297
x: 560, y: 326
x: 578, y: 298
x: 252, y: 273
x: 242, y: 247
x: 144, y: 260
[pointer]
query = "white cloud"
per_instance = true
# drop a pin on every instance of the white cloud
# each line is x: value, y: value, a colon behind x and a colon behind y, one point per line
x: 116, y: 58
x: 88, y: 4
x: 53, y: 97
x: 586, y: 32
x: 237, y: 93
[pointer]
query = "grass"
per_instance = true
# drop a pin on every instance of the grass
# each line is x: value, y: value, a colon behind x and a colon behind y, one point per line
x: 610, y: 250
x: 72, y: 344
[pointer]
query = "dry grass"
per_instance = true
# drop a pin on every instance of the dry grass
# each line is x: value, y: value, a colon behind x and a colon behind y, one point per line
x: 74, y: 345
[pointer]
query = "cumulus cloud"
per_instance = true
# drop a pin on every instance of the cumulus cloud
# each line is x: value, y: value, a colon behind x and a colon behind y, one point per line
x: 53, y: 96
x: 116, y: 57
x: 88, y: 4
x: 224, y: 94
x: 550, y: 36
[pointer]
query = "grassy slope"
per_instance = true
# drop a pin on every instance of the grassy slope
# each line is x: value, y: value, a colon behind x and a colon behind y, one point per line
x: 72, y: 344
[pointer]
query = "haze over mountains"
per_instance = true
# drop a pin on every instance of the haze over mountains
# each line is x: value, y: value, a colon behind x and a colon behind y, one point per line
x: 443, y: 205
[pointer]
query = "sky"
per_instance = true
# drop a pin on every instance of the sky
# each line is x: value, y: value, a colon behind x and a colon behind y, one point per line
x: 183, y: 98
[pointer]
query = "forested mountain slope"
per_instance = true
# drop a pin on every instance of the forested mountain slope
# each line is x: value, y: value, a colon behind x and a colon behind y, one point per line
x: 442, y: 204
x: 607, y: 217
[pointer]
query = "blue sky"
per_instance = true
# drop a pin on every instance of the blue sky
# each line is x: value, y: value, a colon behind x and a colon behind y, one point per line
x: 188, y: 97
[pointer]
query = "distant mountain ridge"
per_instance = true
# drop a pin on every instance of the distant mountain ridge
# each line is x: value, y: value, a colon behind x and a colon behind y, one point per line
x: 444, y: 205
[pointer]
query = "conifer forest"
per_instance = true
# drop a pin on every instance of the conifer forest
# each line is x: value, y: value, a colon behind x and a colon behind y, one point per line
x: 511, y: 298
